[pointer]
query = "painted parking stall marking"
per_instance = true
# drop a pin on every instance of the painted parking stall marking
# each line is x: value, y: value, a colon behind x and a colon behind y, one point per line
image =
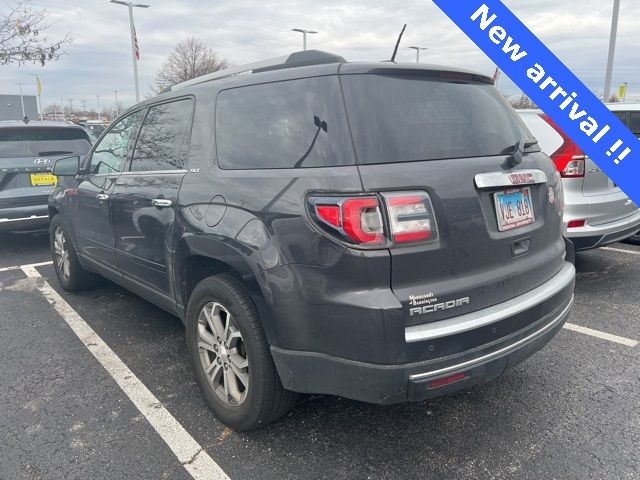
x: 621, y: 250
x: 190, y: 453
x: 552, y: 86
x: 603, y: 335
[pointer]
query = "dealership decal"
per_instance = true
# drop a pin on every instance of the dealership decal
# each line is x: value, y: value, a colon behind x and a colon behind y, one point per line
x: 552, y: 86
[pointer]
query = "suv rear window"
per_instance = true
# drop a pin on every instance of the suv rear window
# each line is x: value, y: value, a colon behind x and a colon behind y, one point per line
x: 37, y: 141
x: 412, y: 118
x: 289, y: 124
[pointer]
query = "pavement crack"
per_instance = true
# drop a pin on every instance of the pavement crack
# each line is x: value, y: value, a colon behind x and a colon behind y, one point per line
x: 193, y: 458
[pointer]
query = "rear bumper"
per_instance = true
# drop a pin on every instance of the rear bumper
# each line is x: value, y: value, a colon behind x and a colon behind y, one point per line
x: 589, y: 237
x: 311, y: 372
x: 28, y: 221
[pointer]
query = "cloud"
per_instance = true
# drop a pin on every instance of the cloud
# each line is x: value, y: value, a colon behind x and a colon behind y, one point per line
x: 99, y: 60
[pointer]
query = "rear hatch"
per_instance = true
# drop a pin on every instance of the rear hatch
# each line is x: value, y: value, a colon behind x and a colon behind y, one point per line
x: 27, y: 154
x: 451, y: 134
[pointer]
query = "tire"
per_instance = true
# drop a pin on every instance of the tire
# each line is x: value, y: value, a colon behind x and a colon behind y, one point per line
x: 220, y: 303
x: 71, y: 275
x: 634, y: 239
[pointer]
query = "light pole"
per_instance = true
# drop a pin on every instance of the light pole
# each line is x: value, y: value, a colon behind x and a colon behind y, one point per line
x: 21, y: 100
x: 418, y: 50
x: 304, y: 35
x: 134, y: 50
x: 612, y: 49
x: 115, y: 92
x: 39, y: 92
x: 98, y: 108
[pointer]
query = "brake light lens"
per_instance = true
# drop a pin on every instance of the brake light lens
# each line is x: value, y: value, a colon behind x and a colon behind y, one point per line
x: 360, y: 221
x: 356, y: 220
x: 569, y: 159
x: 411, y: 217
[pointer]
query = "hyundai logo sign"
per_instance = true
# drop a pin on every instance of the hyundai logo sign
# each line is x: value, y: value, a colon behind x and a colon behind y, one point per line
x: 42, y: 161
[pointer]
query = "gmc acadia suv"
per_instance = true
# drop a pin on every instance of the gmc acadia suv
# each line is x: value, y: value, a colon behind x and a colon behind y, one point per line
x: 378, y: 231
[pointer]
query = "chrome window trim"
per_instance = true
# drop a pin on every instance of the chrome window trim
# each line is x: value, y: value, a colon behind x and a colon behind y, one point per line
x: 153, y: 172
x: 496, y: 313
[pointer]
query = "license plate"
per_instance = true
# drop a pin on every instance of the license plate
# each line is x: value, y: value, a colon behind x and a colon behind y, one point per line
x: 43, y: 179
x: 514, y: 208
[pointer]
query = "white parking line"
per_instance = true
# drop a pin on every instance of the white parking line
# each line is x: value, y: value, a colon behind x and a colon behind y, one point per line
x: 189, y: 452
x: 621, y: 250
x: 603, y: 335
x: 20, y: 267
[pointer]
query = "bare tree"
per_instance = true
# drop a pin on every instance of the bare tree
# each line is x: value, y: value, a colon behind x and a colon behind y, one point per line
x: 22, y: 38
x: 189, y: 59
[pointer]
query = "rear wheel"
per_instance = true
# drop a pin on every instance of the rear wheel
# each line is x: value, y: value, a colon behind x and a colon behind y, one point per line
x: 634, y: 239
x: 72, y: 276
x: 231, y: 358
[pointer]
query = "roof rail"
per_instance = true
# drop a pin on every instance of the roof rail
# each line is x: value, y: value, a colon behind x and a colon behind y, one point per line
x: 297, y: 59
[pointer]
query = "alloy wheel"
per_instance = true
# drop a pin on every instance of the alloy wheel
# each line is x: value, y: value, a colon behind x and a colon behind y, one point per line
x: 61, y: 252
x: 222, y: 354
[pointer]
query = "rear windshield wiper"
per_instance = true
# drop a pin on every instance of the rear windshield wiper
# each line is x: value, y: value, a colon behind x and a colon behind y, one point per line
x: 55, y: 152
x: 517, y: 150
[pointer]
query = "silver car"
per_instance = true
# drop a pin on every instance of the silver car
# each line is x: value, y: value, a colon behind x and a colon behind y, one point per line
x: 629, y: 113
x: 597, y: 212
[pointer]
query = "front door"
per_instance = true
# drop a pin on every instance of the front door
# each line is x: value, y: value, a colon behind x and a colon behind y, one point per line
x: 145, y: 197
x: 93, y: 226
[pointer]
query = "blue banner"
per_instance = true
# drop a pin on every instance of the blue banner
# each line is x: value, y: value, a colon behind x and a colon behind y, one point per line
x: 552, y: 86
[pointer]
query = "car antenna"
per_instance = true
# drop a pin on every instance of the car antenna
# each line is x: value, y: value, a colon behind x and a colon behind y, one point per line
x: 395, y: 50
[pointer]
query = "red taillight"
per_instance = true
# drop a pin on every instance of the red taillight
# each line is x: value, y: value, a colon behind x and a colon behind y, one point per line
x: 359, y: 220
x: 441, y: 382
x: 356, y: 219
x: 569, y: 159
x: 410, y: 217
x: 576, y: 223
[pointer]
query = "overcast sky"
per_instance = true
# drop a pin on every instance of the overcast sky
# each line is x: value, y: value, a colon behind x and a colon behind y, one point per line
x: 99, y: 59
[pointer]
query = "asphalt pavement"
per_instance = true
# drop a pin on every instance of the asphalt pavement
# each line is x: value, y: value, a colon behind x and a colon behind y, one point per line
x: 572, y: 411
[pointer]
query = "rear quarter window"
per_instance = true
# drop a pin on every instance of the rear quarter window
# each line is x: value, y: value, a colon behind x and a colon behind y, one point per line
x: 289, y: 124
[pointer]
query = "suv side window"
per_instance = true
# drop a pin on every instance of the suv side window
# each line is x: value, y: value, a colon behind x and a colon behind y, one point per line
x: 288, y: 124
x: 163, y: 141
x: 110, y: 154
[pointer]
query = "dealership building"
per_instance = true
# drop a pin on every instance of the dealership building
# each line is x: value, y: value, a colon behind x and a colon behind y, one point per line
x: 11, y: 107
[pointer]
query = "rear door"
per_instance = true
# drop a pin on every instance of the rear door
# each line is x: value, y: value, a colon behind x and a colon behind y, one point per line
x: 145, y: 197
x: 451, y: 137
x: 92, y: 216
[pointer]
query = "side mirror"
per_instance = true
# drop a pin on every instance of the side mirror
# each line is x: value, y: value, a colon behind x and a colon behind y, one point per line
x: 66, y: 167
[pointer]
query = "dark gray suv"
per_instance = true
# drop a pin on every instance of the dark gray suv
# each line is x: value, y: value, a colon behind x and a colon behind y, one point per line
x: 382, y: 232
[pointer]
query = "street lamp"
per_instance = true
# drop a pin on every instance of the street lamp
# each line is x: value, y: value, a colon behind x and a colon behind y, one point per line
x: 304, y: 35
x: 612, y: 49
x: 418, y: 49
x: 133, y: 40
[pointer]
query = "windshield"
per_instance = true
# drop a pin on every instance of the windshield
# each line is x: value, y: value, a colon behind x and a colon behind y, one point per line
x: 411, y: 118
x: 40, y: 141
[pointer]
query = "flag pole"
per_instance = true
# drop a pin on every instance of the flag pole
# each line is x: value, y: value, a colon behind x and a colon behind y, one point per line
x: 133, y: 52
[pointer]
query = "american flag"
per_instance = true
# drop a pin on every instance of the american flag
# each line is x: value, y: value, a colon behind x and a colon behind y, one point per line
x: 496, y: 75
x: 135, y: 44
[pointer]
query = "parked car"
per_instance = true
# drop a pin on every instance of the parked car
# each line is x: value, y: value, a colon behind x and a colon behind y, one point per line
x: 629, y: 113
x: 27, y: 153
x: 597, y: 212
x: 320, y: 226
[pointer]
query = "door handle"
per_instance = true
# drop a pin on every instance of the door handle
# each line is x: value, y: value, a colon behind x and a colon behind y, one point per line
x: 161, y: 202
x: 102, y: 197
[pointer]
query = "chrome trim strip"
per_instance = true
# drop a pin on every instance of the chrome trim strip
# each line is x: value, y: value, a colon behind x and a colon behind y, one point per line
x: 154, y: 172
x: 489, y: 356
x: 480, y: 318
x: 22, y: 219
x: 514, y: 178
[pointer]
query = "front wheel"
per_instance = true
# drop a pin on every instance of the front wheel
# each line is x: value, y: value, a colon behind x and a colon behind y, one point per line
x: 71, y: 275
x: 230, y: 355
